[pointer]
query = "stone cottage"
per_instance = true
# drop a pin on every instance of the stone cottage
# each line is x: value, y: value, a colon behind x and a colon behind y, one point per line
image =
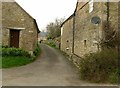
x: 83, y: 32
x: 19, y: 29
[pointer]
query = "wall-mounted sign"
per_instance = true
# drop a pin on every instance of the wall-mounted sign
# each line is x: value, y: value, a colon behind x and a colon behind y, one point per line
x: 95, y: 20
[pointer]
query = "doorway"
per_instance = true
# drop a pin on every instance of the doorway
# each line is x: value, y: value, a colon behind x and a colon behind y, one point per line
x: 14, y: 38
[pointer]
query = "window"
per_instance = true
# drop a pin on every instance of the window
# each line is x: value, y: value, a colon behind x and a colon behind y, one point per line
x: 85, y: 44
x: 61, y: 31
x: 67, y: 40
x: 91, y: 5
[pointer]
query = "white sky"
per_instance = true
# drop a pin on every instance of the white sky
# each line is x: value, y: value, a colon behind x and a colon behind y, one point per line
x: 45, y: 11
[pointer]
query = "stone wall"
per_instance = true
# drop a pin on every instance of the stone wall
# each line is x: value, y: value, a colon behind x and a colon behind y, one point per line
x: 113, y: 12
x: 13, y: 16
x: 67, y: 36
x: 87, y: 36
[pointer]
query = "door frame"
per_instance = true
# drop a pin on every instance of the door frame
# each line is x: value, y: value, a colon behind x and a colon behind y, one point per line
x: 10, y: 37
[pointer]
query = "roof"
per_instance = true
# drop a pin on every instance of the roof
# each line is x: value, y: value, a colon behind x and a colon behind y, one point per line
x: 67, y: 19
x: 36, y: 26
x: 24, y: 10
x: 30, y: 17
x: 70, y: 15
x: 73, y: 13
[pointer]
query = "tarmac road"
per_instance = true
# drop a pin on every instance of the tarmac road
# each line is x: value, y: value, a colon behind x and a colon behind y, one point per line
x: 50, y: 69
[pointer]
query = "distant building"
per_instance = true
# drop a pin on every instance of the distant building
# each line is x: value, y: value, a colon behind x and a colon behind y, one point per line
x: 82, y: 31
x: 42, y: 36
x: 19, y: 29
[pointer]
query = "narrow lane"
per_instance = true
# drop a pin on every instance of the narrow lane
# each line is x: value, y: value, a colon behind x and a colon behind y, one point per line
x: 50, y: 69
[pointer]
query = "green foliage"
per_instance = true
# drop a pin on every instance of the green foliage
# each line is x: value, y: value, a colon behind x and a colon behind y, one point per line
x: 118, y: 71
x: 113, y: 78
x: 100, y: 66
x: 5, y: 46
x: 37, y: 50
x: 54, y: 29
x: 52, y: 44
x: 11, y: 61
x: 14, y: 52
x: 13, y: 57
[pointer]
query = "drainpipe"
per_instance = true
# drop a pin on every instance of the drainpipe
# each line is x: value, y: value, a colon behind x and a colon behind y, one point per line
x: 108, y: 15
x: 107, y: 21
x: 73, y: 32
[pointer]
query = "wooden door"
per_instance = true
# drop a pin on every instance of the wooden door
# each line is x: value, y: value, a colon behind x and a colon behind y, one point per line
x: 14, y: 38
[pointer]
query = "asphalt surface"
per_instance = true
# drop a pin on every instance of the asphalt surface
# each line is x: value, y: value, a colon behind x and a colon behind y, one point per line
x: 50, y: 69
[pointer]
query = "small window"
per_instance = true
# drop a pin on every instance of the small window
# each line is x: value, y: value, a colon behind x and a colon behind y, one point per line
x: 67, y: 41
x: 91, y: 5
x: 85, y: 44
x: 61, y: 31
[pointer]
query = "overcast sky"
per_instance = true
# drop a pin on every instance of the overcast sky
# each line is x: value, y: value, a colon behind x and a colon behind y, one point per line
x: 45, y: 11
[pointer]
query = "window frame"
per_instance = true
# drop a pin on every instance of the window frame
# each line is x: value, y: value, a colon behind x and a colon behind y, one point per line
x: 91, y: 5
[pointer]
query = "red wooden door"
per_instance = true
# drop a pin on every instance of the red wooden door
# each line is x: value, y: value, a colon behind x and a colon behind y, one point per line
x: 14, y: 38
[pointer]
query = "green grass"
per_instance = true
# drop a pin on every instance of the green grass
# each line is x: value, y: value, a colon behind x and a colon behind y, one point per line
x: 14, y: 57
x: 10, y: 61
x: 51, y: 44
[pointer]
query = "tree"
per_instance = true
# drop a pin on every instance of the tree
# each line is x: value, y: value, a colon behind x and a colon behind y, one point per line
x: 111, y: 37
x: 53, y: 28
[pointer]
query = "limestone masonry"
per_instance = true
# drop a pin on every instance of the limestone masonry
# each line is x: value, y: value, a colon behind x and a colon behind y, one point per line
x: 19, y: 29
x: 82, y: 31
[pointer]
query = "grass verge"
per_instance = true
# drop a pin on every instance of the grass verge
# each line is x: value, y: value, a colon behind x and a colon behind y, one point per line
x: 10, y: 61
x: 14, y: 57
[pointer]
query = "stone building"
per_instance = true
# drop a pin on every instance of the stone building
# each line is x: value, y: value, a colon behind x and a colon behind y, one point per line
x: 87, y: 28
x: 19, y: 29
x: 66, y: 35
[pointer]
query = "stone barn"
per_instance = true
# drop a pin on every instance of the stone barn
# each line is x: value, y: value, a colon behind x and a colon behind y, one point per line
x: 19, y: 29
x: 87, y: 27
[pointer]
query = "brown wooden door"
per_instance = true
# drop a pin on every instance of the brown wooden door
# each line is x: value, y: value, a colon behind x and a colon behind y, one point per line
x: 14, y: 38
